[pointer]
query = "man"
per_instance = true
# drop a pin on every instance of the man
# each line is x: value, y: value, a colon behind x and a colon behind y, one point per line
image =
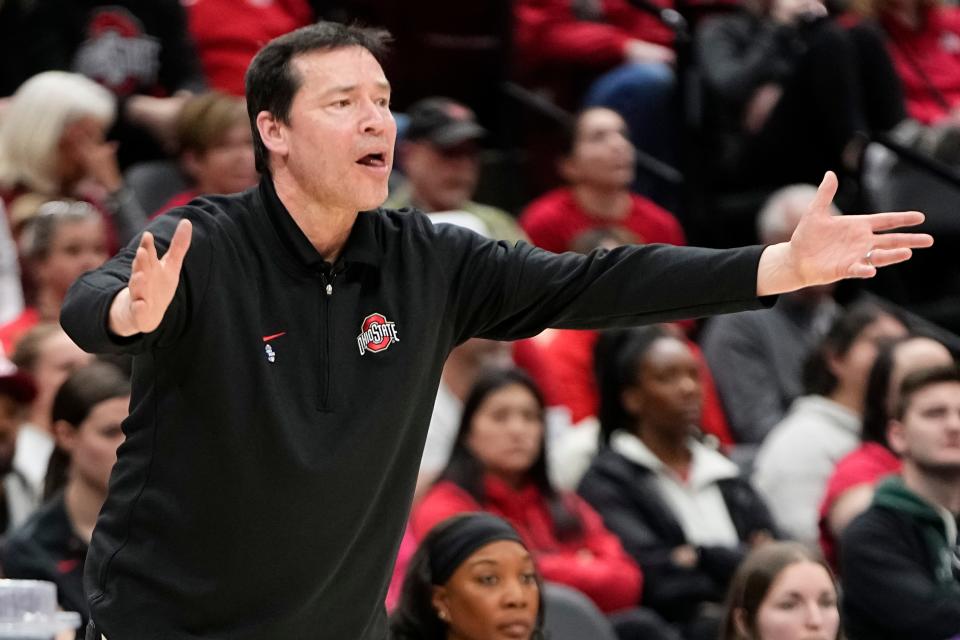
x: 901, y: 568
x: 757, y: 356
x: 598, y: 163
x: 441, y: 159
x: 287, y: 363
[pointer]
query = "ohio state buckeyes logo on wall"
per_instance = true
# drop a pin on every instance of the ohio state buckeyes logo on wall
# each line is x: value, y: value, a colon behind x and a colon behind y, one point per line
x: 376, y: 334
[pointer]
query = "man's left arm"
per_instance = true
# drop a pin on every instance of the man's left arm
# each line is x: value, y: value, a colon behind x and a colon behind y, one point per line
x: 505, y: 293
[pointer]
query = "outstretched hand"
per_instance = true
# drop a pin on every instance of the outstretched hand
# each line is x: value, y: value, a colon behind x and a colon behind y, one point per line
x: 139, y: 308
x: 825, y: 248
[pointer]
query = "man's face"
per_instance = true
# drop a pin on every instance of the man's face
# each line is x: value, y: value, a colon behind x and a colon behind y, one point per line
x: 338, y: 141
x: 603, y: 156
x: 928, y: 436
x: 442, y: 179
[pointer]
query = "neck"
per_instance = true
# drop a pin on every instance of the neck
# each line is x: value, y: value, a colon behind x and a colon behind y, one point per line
x: 512, y: 480
x: 670, y: 449
x: 424, y: 204
x: 941, y: 490
x: 848, y: 398
x: 48, y: 305
x: 40, y: 418
x: 603, y: 204
x: 327, y: 228
x: 83, y: 504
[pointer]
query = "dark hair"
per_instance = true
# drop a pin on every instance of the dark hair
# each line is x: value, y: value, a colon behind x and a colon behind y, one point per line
x: 571, y: 130
x: 876, y: 396
x: 272, y: 82
x: 83, y: 390
x: 817, y: 377
x: 466, y: 471
x: 920, y: 379
x: 752, y: 581
x: 415, y: 618
x: 617, y: 357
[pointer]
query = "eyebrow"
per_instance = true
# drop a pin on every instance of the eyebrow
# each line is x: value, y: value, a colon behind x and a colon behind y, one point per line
x: 349, y: 88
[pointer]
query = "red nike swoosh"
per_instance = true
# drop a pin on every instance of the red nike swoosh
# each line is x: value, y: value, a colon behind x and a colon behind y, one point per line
x: 276, y: 335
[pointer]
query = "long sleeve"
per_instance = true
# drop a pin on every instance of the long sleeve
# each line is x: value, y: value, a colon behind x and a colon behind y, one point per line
x: 887, y: 585
x: 669, y: 588
x: 85, y: 311
x: 608, y: 575
x: 506, y: 293
x: 737, y: 60
x: 747, y: 384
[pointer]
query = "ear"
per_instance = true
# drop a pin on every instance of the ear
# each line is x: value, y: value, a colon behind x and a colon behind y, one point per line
x: 191, y: 163
x: 273, y: 133
x: 65, y: 435
x: 632, y: 400
x: 896, y: 436
x: 740, y: 623
x: 439, y: 600
x: 834, y: 363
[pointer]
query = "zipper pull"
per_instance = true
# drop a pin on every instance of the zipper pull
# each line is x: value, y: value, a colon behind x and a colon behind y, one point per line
x: 329, y: 289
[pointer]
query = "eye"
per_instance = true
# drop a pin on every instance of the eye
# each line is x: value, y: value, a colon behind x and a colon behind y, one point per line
x: 345, y: 102
x: 488, y: 580
x: 529, y: 578
x: 384, y: 102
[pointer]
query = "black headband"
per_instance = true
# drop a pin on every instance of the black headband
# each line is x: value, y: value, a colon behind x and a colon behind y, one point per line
x: 463, y: 537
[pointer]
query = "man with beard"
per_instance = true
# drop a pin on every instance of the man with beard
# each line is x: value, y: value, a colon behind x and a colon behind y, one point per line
x: 901, y: 570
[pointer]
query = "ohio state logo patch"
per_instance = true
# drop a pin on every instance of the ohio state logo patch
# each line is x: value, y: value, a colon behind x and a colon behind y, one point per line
x: 376, y: 334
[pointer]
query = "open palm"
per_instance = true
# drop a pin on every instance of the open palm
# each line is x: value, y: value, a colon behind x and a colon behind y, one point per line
x: 153, y: 282
x: 825, y: 248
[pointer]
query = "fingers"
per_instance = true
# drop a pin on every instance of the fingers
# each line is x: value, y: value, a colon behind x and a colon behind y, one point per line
x: 886, y: 257
x: 179, y: 245
x: 147, y: 243
x: 825, y: 193
x: 894, y: 220
x: 902, y: 240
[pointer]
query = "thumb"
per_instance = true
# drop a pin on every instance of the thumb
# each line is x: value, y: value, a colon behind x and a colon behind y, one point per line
x: 825, y: 193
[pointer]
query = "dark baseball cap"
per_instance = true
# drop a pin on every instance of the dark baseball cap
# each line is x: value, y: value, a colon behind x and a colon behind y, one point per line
x: 442, y: 122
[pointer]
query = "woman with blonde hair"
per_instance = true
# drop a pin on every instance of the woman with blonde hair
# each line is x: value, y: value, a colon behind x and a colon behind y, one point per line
x: 53, y: 147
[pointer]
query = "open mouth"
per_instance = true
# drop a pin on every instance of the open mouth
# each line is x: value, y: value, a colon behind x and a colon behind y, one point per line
x: 378, y: 159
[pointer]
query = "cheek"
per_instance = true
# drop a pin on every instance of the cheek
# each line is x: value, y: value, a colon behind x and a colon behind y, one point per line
x: 778, y: 624
x: 472, y: 614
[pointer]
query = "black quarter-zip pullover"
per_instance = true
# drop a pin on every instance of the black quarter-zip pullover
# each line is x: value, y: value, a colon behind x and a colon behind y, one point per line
x: 279, y: 412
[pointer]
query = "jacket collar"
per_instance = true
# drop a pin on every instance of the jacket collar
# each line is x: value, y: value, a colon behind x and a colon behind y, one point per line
x: 362, y: 245
x: 706, y: 467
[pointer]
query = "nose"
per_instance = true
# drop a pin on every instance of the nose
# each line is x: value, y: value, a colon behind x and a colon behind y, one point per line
x: 814, y: 615
x: 375, y: 118
x: 514, y: 595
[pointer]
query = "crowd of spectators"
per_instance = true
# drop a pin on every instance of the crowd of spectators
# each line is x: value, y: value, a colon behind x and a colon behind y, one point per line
x: 783, y: 473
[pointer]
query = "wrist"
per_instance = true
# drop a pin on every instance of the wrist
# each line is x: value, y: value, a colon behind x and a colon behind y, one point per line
x: 777, y: 271
x: 120, y: 323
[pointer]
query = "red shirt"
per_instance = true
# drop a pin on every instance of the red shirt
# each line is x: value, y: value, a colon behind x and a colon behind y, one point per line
x: 935, y: 49
x: 865, y: 465
x: 555, y: 219
x: 229, y: 33
x: 569, y: 358
x: 179, y: 200
x: 548, y: 33
x: 594, y: 563
x: 11, y: 332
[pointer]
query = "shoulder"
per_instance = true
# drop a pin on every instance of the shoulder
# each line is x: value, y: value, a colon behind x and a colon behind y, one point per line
x: 873, y: 525
x: 550, y: 205
x: 610, y: 467
x: 31, y: 546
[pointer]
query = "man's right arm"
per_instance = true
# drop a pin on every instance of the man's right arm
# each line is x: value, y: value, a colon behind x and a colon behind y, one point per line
x: 136, y: 300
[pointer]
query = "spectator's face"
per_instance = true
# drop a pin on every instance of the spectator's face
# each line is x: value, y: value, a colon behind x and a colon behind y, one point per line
x: 338, y: 141
x: 79, y: 137
x: 603, y: 156
x: 9, y: 423
x: 226, y: 167
x: 58, y: 358
x: 507, y: 431
x: 93, y: 445
x: 493, y: 595
x: 910, y: 356
x: 443, y: 179
x: 853, y: 367
x: 668, y: 395
x: 800, y: 605
x: 77, y: 247
x: 929, y: 434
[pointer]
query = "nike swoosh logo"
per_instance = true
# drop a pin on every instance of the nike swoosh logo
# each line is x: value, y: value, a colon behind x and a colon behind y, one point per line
x: 276, y: 335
